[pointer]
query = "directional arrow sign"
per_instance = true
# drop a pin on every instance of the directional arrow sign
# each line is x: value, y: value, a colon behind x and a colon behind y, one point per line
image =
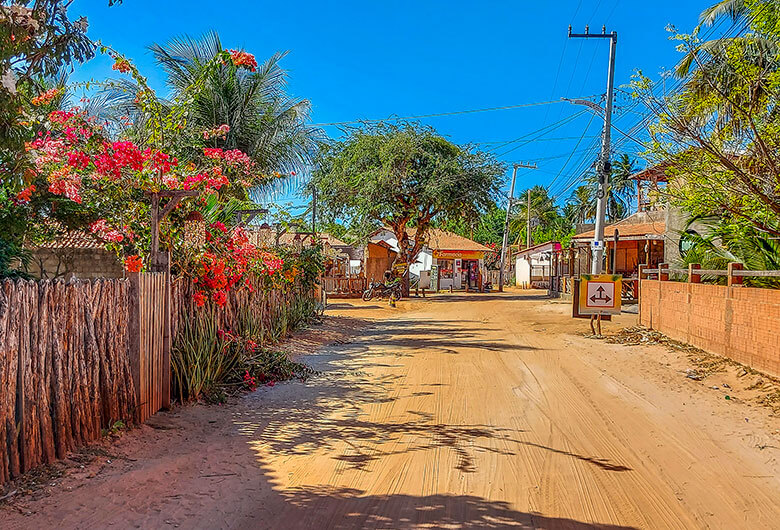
x: 599, y: 294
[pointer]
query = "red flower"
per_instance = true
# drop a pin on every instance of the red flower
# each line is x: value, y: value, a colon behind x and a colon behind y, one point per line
x: 249, y: 380
x: 133, y: 263
x: 121, y: 64
x: 25, y: 195
x: 200, y: 298
x: 241, y: 58
x: 219, y: 297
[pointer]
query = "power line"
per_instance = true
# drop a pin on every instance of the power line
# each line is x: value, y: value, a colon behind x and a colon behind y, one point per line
x: 435, y: 115
x: 560, y: 123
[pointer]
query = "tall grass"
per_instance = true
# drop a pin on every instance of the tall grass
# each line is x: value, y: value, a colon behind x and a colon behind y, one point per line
x: 200, y: 358
x: 205, y: 358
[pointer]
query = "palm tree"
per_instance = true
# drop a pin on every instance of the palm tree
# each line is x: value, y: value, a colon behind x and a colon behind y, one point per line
x: 265, y: 122
x: 622, y: 188
x: 709, y: 67
x: 544, y: 214
x: 581, y: 205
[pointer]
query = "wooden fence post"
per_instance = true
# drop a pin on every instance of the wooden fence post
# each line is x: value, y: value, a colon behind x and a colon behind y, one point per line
x: 166, y: 353
x: 134, y: 336
x: 694, y: 277
x: 663, y: 276
x: 734, y: 280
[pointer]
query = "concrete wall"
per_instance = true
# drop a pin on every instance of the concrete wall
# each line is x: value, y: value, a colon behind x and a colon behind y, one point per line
x: 741, y: 323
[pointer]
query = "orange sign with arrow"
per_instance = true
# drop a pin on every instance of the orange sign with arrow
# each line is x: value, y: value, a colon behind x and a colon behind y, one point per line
x: 600, y: 294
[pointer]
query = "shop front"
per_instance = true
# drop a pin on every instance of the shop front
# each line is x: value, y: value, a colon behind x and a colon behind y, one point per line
x: 458, y: 269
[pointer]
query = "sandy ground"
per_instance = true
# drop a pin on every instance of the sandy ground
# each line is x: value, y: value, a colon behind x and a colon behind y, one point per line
x: 462, y: 411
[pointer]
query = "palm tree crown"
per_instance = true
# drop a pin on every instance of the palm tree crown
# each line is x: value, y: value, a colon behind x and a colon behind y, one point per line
x: 264, y: 121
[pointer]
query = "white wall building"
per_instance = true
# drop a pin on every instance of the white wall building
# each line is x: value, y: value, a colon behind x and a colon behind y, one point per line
x: 533, y: 265
x: 446, y: 261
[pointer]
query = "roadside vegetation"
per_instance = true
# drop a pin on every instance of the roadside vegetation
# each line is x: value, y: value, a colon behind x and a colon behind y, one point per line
x: 718, y: 135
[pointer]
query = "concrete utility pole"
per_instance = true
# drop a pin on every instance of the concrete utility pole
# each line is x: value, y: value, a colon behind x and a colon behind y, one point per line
x: 604, y: 166
x: 506, y: 222
x: 528, y: 222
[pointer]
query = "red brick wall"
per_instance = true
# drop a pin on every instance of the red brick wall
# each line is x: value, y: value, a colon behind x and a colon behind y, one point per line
x: 741, y: 323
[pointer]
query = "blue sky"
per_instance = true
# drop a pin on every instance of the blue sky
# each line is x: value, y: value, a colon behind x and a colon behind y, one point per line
x: 370, y: 60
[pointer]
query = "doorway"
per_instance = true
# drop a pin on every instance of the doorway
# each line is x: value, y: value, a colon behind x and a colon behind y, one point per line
x: 470, y: 270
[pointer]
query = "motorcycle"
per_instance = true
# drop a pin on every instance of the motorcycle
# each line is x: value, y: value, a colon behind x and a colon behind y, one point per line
x: 381, y: 290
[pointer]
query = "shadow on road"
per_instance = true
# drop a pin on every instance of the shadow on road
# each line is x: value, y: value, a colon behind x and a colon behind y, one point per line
x: 329, y: 420
x: 349, y: 509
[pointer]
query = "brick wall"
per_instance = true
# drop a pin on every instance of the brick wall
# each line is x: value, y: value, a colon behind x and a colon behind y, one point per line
x: 67, y: 263
x: 741, y: 323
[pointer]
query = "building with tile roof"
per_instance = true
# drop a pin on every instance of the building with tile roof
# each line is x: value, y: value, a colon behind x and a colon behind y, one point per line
x: 446, y: 261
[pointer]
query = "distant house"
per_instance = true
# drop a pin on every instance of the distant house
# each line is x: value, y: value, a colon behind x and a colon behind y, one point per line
x: 73, y: 255
x: 641, y: 240
x: 446, y: 261
x: 533, y: 265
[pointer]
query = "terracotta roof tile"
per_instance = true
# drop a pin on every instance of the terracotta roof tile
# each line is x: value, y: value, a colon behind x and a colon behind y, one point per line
x: 74, y: 239
x: 443, y: 240
x: 655, y: 228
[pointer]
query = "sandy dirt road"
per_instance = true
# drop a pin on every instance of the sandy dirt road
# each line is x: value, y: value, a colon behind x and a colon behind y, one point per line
x: 467, y: 411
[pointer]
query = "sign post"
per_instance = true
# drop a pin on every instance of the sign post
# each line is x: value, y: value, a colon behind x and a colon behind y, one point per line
x: 600, y: 294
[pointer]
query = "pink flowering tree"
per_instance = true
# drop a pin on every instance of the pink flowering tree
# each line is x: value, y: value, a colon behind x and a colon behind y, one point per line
x: 86, y: 176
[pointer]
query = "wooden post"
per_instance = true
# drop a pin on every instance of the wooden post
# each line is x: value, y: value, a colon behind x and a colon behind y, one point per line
x: 663, y: 276
x: 166, y: 353
x: 134, y: 336
x: 734, y: 280
x: 694, y: 277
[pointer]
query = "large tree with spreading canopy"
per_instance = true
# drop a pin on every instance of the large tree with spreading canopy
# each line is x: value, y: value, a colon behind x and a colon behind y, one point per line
x: 404, y: 176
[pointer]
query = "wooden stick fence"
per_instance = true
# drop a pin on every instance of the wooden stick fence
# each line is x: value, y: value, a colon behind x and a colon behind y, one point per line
x: 64, y: 368
x: 77, y: 357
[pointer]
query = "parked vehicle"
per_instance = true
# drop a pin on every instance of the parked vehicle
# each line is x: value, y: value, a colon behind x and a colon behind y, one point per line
x: 381, y: 290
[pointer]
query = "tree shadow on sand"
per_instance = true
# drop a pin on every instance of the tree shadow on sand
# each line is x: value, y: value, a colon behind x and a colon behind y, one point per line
x: 343, y: 508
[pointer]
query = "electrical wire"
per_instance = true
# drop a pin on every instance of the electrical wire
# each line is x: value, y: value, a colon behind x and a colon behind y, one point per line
x: 435, y: 115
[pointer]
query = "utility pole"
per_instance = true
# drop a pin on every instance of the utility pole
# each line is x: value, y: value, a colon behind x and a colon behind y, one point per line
x: 528, y: 223
x: 506, y: 222
x: 604, y: 166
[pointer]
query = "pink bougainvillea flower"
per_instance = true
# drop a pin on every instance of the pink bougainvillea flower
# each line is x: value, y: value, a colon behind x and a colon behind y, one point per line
x: 105, y: 232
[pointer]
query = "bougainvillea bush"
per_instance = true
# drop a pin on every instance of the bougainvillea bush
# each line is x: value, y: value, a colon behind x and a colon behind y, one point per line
x: 98, y: 176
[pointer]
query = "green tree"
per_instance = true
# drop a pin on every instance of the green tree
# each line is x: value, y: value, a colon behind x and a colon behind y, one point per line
x: 581, y: 205
x: 404, y: 176
x: 487, y: 228
x: 622, y: 188
x: 720, y: 133
x: 547, y: 222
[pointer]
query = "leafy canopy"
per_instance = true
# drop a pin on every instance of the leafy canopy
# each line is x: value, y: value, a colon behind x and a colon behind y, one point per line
x: 404, y: 176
